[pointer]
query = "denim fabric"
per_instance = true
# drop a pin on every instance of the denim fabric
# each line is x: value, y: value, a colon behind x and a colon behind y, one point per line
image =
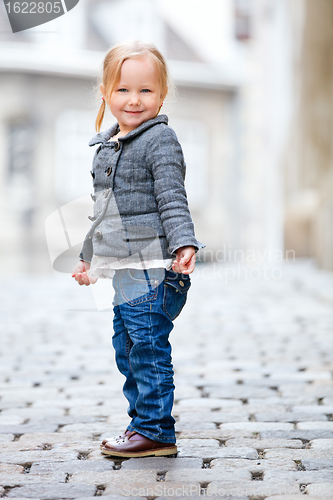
x: 140, y: 201
x: 145, y: 304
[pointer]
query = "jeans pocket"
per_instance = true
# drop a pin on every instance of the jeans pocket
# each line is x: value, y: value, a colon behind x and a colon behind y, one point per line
x: 138, y: 286
x: 175, y: 294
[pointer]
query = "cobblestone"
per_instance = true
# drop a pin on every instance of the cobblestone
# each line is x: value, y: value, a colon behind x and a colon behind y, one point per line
x: 262, y: 444
x: 253, y: 400
x: 52, y: 491
x: 254, y: 466
x: 317, y: 464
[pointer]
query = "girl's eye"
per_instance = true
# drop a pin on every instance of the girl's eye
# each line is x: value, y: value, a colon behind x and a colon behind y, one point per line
x: 145, y: 90
x: 122, y: 90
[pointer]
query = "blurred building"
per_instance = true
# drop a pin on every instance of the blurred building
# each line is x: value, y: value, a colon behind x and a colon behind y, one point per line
x: 251, y: 112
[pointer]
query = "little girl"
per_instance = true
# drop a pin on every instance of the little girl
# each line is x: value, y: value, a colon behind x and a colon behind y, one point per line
x: 142, y: 236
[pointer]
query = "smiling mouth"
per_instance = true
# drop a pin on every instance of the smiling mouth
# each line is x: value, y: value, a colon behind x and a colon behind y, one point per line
x: 133, y: 112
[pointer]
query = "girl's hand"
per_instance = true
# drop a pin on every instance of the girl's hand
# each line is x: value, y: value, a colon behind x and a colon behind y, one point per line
x: 185, y: 260
x: 80, y: 274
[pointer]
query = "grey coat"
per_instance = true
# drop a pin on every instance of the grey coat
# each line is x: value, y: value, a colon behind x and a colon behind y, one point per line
x: 140, y: 200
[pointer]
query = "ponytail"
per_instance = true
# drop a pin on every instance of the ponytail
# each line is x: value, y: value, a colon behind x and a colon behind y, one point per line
x: 100, y: 116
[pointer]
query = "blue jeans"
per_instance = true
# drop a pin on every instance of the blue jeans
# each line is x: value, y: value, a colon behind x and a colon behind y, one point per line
x: 145, y: 304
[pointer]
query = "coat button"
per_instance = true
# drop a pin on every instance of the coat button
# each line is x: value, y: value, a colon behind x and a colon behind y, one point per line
x: 98, y: 235
x: 91, y: 217
x: 108, y: 172
x: 93, y: 197
x: 181, y: 283
x: 117, y: 146
x: 92, y: 174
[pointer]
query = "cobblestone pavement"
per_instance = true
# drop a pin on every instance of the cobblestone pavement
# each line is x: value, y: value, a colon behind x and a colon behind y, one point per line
x: 254, y: 397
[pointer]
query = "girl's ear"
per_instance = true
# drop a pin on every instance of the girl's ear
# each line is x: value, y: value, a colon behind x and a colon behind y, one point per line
x: 163, y: 96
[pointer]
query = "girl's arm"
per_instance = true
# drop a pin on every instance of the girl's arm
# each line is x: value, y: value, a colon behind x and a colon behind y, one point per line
x: 165, y: 158
x: 80, y: 274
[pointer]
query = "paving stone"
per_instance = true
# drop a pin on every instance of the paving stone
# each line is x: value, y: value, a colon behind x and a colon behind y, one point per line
x: 24, y: 457
x: 97, y: 455
x: 12, y: 480
x: 154, y: 489
x: 161, y: 463
x: 24, y: 413
x: 289, y: 497
x: 257, y: 426
x: 227, y: 415
x: 66, y: 403
x: 25, y: 428
x: 63, y: 420
x: 262, y: 444
x: 208, y: 475
x: 300, y: 477
x: 52, y: 491
x: 318, y: 464
x: 204, y: 403
x: 306, y: 435
x: 98, y: 411
x: 11, y: 419
x: 198, y: 426
x: 6, y: 438
x: 120, y: 477
x: 96, y: 428
x: 321, y: 444
x: 250, y: 489
x: 258, y: 465
x: 320, y: 490
x: 71, y: 466
x: 186, y: 391
x: 239, y: 392
x: 113, y: 497
x: 216, y: 434
x: 80, y: 448
x: 289, y: 417
x: 315, y: 425
x: 199, y: 448
x: 297, y: 454
x: 314, y: 409
x: 11, y: 468
x: 40, y: 438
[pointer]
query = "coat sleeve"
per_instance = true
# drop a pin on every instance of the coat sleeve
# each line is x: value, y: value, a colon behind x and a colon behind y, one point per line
x: 86, y: 250
x: 166, y: 161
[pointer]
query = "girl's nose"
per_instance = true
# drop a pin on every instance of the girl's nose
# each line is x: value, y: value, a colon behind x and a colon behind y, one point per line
x: 134, y: 100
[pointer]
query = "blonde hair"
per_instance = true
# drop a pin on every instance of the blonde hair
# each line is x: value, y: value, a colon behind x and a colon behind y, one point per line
x: 114, y: 60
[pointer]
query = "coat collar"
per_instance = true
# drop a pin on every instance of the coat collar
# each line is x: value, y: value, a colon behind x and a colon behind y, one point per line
x: 106, y: 134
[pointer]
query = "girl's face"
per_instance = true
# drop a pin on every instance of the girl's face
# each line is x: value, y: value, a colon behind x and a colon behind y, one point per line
x: 137, y: 96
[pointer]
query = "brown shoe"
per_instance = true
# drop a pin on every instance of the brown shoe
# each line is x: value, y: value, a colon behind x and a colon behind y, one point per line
x: 136, y: 445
